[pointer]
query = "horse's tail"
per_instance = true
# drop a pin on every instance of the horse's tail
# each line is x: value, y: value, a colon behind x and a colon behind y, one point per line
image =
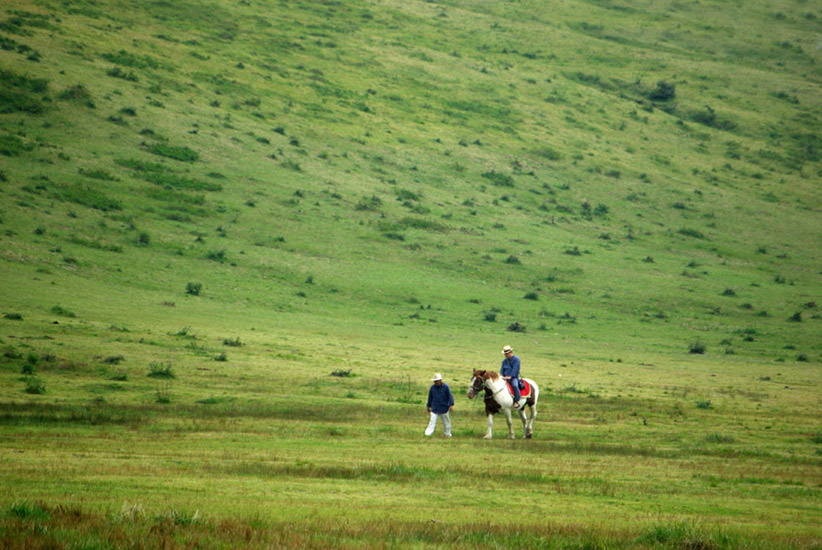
x: 534, y: 389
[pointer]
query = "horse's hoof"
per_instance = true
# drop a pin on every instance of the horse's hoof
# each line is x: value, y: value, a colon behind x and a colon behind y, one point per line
x: 512, y: 437
x: 487, y: 437
x: 528, y: 436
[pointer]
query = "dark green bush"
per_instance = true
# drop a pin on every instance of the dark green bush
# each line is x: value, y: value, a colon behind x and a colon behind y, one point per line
x: 697, y: 348
x: 160, y: 370
x: 20, y: 93
x: 183, y: 154
x: 664, y: 91
x: 117, y: 72
x: 369, y: 204
x: 216, y: 256
x: 12, y: 146
x: 60, y: 310
x: 92, y: 198
x: 499, y: 179
x: 97, y: 174
x: 35, y: 386
x: 194, y: 288
x: 516, y: 327
x: 691, y: 233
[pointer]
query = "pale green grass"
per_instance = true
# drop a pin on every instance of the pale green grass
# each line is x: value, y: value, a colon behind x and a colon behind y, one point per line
x: 358, y: 227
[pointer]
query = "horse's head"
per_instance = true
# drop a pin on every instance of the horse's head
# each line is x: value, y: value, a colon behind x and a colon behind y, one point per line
x: 477, y: 383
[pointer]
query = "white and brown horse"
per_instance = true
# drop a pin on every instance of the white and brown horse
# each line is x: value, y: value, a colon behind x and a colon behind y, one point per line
x: 498, y: 397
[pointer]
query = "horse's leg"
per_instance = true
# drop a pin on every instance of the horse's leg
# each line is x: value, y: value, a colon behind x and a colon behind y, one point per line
x: 524, y: 421
x: 510, y: 424
x: 490, y: 425
x: 530, y: 430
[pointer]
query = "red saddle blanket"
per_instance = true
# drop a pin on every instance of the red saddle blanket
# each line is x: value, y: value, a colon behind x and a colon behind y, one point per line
x: 524, y: 392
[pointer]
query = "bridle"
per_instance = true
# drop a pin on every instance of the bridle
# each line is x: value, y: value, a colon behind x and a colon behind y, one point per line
x: 478, y: 384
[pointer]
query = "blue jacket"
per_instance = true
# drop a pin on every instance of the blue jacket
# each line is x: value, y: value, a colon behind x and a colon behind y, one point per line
x: 510, y: 367
x: 440, y: 399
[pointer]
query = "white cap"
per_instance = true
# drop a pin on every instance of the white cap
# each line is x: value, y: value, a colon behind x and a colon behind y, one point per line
x: 437, y: 376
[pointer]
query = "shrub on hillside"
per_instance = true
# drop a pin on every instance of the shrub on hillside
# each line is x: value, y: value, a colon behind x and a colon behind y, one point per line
x: 516, y: 327
x: 216, y: 256
x: 160, y: 370
x: 184, y: 153
x: 688, y: 232
x: 12, y: 146
x: 97, y: 174
x: 78, y: 93
x: 697, y: 348
x: 17, y: 92
x: 87, y: 196
x: 499, y: 179
x: 369, y: 204
x: 60, y: 310
x: 194, y: 288
x: 163, y: 396
x: 664, y: 91
x: 117, y: 72
x: 548, y: 153
x: 35, y: 386
x: 709, y: 117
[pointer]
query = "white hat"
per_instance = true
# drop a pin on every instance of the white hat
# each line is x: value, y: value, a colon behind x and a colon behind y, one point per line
x: 437, y: 376
x: 507, y: 349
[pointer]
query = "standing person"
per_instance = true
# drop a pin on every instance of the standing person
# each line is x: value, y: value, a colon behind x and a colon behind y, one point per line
x: 440, y: 403
x: 510, y: 371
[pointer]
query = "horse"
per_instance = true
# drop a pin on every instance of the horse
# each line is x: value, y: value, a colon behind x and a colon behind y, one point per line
x: 498, y: 397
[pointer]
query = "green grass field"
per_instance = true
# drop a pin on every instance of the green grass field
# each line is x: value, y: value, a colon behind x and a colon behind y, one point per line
x: 238, y: 238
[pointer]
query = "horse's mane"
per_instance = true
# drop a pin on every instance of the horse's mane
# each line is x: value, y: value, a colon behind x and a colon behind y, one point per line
x: 492, y: 375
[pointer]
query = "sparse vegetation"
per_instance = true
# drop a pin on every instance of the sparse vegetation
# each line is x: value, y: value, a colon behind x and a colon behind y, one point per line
x: 158, y: 369
x: 194, y: 289
x: 697, y: 347
x: 392, y: 190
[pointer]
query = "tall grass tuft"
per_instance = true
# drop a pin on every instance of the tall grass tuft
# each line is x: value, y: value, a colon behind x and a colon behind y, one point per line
x: 158, y: 369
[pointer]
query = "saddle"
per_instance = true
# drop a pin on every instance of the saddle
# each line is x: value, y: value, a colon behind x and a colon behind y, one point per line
x: 524, y: 392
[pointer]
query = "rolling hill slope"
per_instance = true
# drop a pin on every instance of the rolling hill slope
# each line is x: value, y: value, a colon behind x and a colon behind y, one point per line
x: 237, y: 237
x: 619, y: 177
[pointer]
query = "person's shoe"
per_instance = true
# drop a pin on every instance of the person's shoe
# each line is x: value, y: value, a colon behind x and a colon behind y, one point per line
x: 516, y: 404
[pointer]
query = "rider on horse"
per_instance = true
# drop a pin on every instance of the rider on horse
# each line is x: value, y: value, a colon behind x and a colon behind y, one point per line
x: 510, y: 372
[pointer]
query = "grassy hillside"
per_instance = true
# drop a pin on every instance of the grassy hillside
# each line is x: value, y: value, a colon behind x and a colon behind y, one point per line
x: 253, y: 195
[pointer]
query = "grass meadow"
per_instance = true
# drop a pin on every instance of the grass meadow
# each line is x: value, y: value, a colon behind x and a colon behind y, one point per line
x: 238, y: 238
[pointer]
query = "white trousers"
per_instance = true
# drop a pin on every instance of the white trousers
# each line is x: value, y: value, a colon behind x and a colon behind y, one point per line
x: 446, y: 424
